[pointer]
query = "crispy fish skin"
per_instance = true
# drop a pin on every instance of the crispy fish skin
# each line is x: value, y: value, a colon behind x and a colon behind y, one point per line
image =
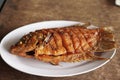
x: 68, y: 44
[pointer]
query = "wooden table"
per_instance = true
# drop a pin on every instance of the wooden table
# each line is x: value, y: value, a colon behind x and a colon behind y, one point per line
x: 17, y: 13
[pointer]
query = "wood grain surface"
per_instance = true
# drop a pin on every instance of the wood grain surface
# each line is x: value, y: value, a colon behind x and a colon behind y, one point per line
x: 17, y: 13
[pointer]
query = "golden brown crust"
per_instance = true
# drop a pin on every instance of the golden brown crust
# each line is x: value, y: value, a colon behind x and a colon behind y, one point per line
x: 68, y: 44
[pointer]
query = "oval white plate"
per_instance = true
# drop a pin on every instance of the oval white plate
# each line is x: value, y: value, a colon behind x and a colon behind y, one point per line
x: 39, y: 68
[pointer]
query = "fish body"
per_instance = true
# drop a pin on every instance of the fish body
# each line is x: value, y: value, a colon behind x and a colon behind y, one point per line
x: 67, y: 44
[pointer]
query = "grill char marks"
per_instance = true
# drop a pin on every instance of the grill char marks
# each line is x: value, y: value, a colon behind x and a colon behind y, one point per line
x: 41, y: 47
x: 59, y: 45
x: 91, y: 37
x: 82, y: 40
x: 53, y: 43
x: 76, y: 40
x: 82, y: 43
x: 67, y: 41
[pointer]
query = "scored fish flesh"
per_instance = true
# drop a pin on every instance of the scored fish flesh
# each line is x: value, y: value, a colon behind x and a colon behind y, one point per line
x: 67, y: 44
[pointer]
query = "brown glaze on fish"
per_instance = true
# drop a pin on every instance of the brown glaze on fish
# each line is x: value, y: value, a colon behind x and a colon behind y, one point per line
x: 68, y: 44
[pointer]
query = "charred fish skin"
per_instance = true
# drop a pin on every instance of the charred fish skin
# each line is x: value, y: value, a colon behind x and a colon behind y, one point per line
x: 68, y: 44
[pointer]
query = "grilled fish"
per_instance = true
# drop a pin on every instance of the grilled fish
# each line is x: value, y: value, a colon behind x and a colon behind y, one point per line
x: 67, y: 44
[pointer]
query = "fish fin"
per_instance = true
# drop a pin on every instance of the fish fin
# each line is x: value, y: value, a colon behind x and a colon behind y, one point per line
x: 107, y: 40
x: 95, y: 57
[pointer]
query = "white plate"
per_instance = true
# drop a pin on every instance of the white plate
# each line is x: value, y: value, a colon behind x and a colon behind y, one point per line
x: 35, y: 67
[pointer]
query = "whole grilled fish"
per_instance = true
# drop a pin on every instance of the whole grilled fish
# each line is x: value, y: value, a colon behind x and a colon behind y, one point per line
x: 68, y: 44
